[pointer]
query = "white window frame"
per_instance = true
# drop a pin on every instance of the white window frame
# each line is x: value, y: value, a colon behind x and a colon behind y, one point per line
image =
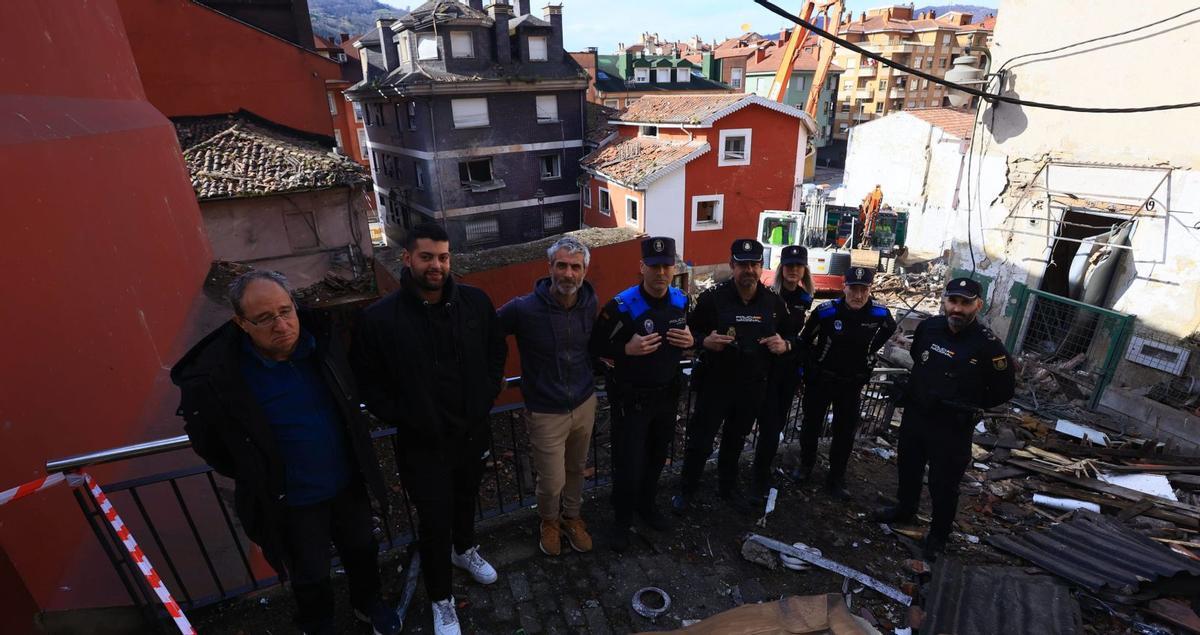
x: 402, y: 45
x: 420, y: 174
x: 683, y: 75
x: 641, y: 75
x: 544, y: 43
x: 551, y: 213
x: 462, y: 44
x: 587, y: 197
x: 332, y: 103
x: 546, y: 108
x: 946, y: 38
x: 636, y: 221
x: 469, y: 120
x: 423, y: 39
x: 662, y: 76
x: 697, y: 225
x: 605, y: 196
x: 615, y: 104
x: 920, y: 58
x: 556, y: 173
x: 735, y: 77
x: 647, y: 131
x: 363, y: 152
x: 337, y: 139
x: 735, y: 132
x: 412, y: 115
x: 358, y: 111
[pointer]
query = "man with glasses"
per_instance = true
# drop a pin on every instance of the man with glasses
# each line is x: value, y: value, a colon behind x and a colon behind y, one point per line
x: 268, y: 401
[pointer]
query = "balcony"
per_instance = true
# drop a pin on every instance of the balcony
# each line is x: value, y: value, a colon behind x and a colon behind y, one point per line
x: 862, y: 116
x: 866, y: 71
x: 863, y: 93
x: 896, y: 93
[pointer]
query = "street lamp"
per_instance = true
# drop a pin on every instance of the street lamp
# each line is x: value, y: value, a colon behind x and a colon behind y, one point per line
x: 965, y: 73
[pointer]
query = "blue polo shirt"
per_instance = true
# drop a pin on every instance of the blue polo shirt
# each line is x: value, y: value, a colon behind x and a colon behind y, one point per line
x: 304, y: 418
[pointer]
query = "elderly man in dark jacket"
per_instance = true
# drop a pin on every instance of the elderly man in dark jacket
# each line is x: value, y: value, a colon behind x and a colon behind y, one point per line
x: 269, y: 401
x: 552, y: 326
x: 430, y: 359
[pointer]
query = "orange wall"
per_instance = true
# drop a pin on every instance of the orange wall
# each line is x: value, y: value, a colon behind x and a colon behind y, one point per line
x: 767, y: 183
x: 617, y: 193
x: 197, y: 61
x: 104, y: 255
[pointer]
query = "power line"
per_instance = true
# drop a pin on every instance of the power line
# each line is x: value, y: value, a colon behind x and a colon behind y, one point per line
x: 966, y: 89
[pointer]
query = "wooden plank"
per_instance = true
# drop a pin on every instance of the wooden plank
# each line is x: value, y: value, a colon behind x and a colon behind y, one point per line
x: 1184, y: 479
x: 1178, y: 513
x: 1134, y: 510
x: 1005, y: 471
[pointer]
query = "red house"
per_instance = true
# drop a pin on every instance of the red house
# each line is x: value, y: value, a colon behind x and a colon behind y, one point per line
x: 697, y: 168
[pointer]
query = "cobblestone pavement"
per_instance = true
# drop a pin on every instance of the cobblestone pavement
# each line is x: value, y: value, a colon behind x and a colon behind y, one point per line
x: 698, y: 563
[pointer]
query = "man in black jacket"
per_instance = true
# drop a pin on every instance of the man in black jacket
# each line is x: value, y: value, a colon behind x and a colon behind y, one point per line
x: 269, y: 401
x: 430, y: 359
x: 840, y: 341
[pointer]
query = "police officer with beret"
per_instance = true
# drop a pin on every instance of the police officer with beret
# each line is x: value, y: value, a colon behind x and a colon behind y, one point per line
x: 840, y: 341
x: 643, y: 332
x: 794, y: 284
x: 959, y: 367
x: 743, y: 327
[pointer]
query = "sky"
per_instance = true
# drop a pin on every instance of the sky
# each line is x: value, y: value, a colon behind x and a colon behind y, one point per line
x: 604, y: 23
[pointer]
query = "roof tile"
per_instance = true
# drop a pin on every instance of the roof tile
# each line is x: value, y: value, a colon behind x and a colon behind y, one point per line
x: 959, y: 123
x: 635, y: 160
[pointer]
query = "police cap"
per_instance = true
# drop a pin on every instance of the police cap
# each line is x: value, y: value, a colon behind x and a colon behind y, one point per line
x: 746, y: 250
x: 658, y: 250
x: 963, y: 287
x: 860, y: 275
x: 794, y: 255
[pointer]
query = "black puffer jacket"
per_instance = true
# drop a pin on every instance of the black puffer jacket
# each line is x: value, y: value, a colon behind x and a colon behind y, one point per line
x: 393, y: 355
x: 230, y: 432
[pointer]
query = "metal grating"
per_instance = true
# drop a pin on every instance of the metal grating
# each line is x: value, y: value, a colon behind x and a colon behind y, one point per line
x: 1101, y: 554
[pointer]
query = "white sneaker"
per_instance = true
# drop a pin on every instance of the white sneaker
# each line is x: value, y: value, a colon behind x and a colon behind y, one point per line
x: 471, y: 561
x: 445, y: 618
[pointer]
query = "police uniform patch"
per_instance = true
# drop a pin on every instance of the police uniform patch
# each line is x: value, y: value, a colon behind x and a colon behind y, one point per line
x: 658, y: 246
x: 963, y: 283
x: 648, y: 325
x: 925, y: 356
x: 1000, y: 362
x: 858, y: 273
x: 745, y: 245
x: 837, y: 325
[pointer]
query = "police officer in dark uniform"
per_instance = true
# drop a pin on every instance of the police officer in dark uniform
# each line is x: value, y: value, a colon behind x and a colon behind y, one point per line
x: 742, y: 325
x: 643, y: 332
x: 959, y: 367
x: 794, y: 284
x: 840, y: 340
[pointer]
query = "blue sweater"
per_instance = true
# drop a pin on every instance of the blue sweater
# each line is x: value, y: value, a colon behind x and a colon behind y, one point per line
x: 308, y: 429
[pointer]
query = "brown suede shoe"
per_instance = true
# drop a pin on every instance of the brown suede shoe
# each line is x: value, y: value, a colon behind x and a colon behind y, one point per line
x: 577, y: 534
x: 551, y: 540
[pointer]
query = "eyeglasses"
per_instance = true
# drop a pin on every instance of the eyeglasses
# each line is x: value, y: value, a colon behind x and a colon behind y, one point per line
x: 285, y: 314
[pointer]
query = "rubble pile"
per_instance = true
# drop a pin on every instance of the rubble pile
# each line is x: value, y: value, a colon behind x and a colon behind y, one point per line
x: 912, y: 292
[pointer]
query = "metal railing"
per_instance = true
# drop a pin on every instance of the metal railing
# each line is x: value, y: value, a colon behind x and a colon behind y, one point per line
x: 184, y: 521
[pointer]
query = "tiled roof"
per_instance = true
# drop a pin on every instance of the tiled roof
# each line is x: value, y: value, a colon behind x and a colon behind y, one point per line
x: 877, y: 23
x: 527, y: 20
x: 348, y: 47
x: 234, y: 156
x: 598, y: 126
x: 770, y: 63
x: 323, y: 44
x: 702, y: 109
x: 958, y: 123
x: 639, y: 161
x: 608, y: 79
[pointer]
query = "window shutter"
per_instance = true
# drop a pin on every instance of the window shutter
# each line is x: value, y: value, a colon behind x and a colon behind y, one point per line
x: 427, y: 47
x: 537, y: 49
x: 469, y: 112
x: 547, y: 108
x: 461, y: 44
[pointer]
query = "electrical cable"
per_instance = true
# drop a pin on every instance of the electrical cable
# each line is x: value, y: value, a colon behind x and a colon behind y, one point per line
x: 991, y: 97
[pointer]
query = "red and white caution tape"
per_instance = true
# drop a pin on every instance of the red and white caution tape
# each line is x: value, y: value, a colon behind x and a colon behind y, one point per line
x: 140, y: 558
x: 48, y: 481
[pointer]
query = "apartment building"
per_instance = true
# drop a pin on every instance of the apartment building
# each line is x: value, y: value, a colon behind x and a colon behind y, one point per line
x: 870, y: 90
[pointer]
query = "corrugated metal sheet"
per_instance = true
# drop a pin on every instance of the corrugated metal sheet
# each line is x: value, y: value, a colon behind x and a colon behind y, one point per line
x: 984, y: 600
x: 1099, y: 553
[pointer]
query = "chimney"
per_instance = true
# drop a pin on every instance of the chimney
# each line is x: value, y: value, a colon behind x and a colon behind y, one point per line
x: 522, y: 8
x: 932, y: 14
x: 783, y: 36
x: 552, y: 13
x: 388, y: 51
x: 593, y: 50
x: 345, y: 37
x: 862, y: 17
x: 500, y: 13
x: 476, y: 4
x: 760, y: 54
x: 620, y: 47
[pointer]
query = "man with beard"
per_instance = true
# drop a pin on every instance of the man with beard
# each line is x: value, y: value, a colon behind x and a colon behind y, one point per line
x: 552, y: 326
x: 643, y: 332
x: 430, y: 360
x: 959, y: 367
x: 268, y: 400
x: 743, y: 326
x: 840, y: 340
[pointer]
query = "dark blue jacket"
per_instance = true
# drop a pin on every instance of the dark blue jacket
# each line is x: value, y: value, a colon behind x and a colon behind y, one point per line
x: 556, y: 371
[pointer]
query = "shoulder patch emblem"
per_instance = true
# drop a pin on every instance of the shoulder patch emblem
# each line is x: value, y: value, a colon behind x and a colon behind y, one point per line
x: 837, y: 325
x: 925, y: 356
x: 648, y: 325
x: 1000, y: 362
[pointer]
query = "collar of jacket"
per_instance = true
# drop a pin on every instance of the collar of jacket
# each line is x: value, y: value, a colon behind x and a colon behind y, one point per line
x: 408, y: 286
x: 541, y: 289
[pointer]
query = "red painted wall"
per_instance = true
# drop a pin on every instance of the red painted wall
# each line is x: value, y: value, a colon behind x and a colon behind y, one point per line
x: 767, y: 183
x: 196, y: 61
x: 104, y: 253
x: 617, y: 193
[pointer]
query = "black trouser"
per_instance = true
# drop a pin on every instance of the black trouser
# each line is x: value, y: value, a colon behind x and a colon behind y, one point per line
x: 845, y: 395
x: 643, y: 424
x: 781, y: 392
x: 444, y: 489
x: 943, y: 441
x: 346, y: 521
x: 733, y: 406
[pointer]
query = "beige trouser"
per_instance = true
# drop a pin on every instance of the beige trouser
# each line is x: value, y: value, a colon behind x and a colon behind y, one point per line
x: 560, y: 449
